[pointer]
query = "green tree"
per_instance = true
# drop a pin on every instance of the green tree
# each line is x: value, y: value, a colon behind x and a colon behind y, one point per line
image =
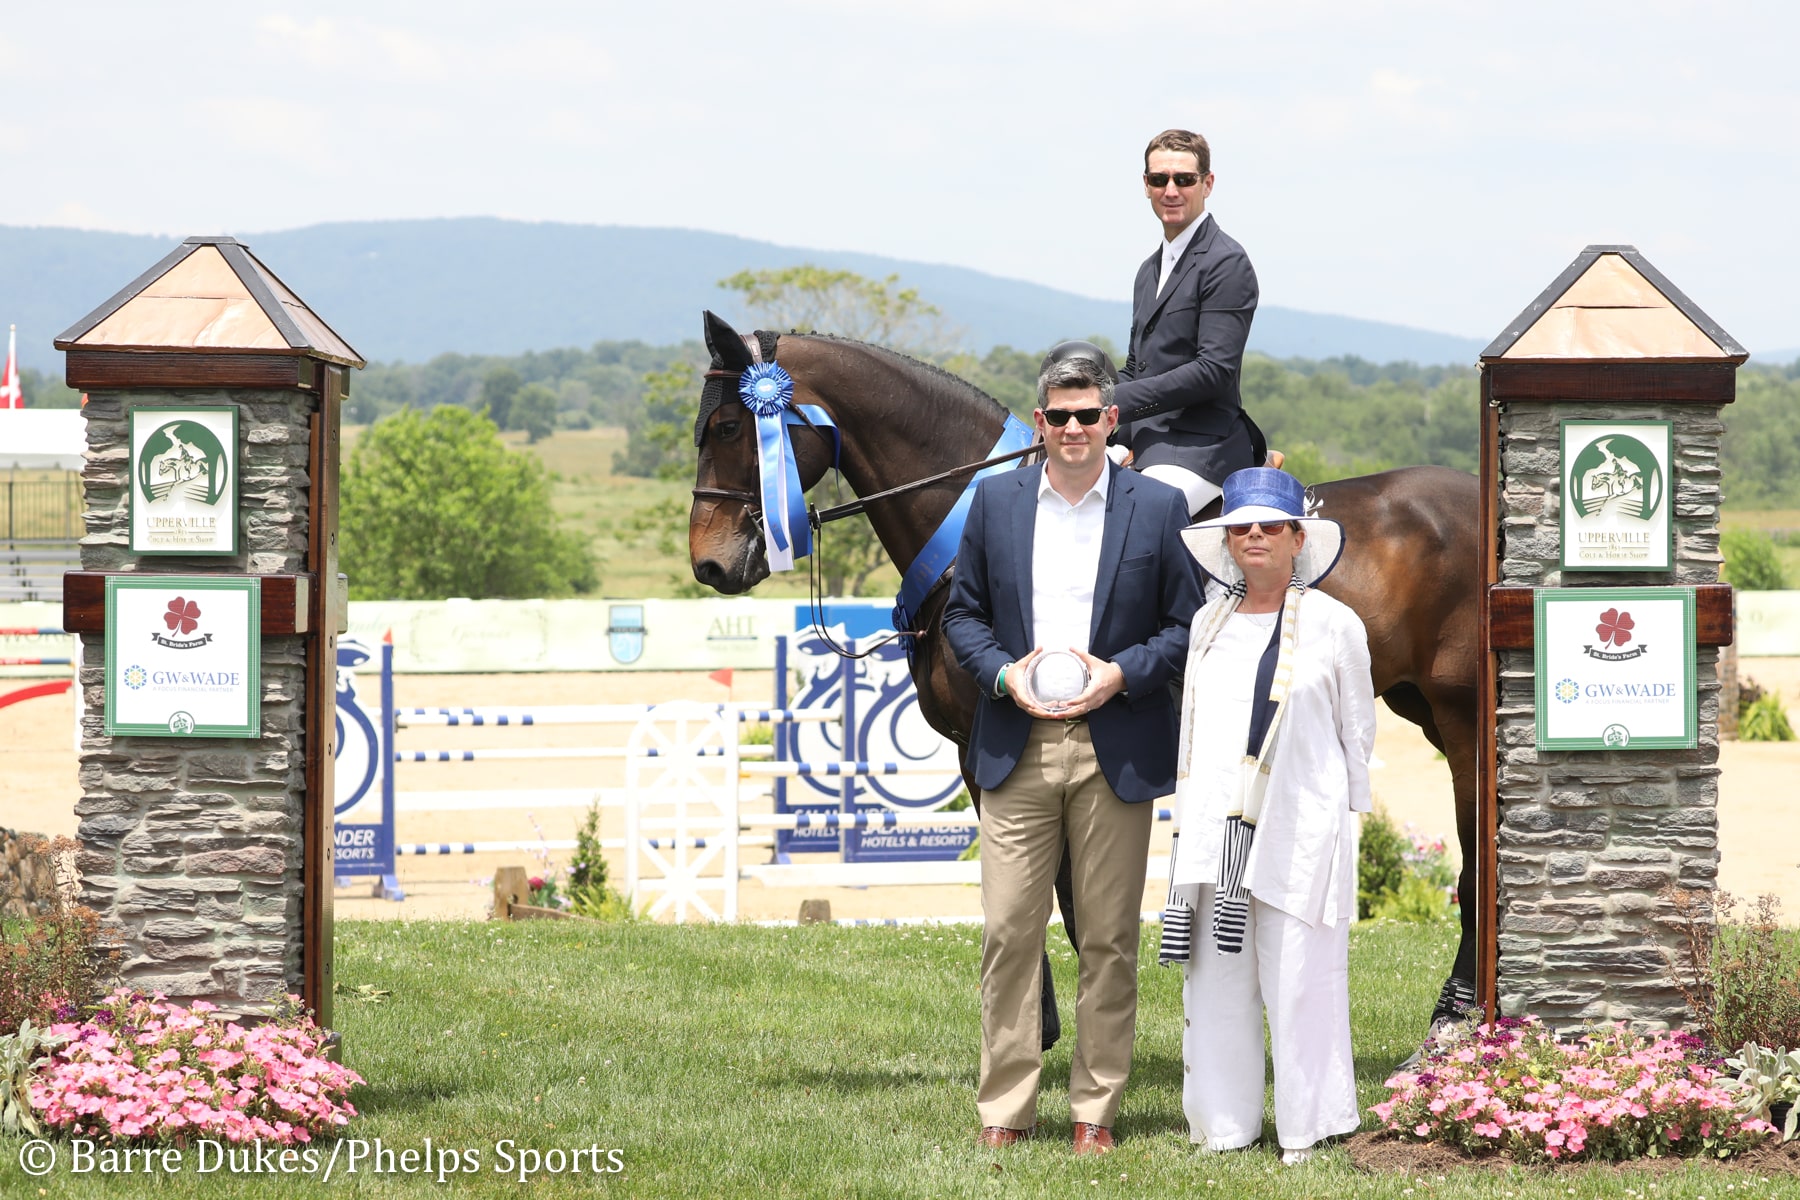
x: 498, y: 387
x: 812, y: 299
x: 659, y: 431
x: 46, y: 391
x: 534, y: 411
x: 436, y: 506
x: 1751, y: 564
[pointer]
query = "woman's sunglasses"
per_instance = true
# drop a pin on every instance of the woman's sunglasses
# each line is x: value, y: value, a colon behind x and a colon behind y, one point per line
x: 1269, y: 528
x: 1060, y: 416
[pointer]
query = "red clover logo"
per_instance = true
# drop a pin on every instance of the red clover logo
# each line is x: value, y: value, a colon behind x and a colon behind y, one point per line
x: 184, y: 616
x: 1614, y: 628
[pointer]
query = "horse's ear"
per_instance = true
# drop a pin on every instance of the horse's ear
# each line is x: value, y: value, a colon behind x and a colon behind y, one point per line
x: 727, y: 347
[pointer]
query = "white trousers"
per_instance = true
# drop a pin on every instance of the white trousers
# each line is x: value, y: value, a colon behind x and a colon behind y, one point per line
x: 1199, y: 492
x: 1301, y: 975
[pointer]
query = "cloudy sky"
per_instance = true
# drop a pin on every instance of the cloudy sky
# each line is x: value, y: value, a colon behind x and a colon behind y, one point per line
x: 1434, y: 164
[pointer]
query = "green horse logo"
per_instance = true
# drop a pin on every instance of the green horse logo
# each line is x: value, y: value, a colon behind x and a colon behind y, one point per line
x: 1619, y: 473
x: 182, y: 460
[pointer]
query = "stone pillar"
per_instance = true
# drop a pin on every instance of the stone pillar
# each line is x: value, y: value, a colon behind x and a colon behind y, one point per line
x: 1587, y: 840
x: 212, y: 855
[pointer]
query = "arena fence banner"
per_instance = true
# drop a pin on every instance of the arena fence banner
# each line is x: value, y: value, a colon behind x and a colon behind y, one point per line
x: 492, y: 636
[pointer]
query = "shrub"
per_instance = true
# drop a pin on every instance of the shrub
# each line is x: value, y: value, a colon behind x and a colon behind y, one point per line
x: 1739, y: 976
x: 1751, y: 564
x: 140, y: 1069
x: 1418, y: 899
x: 1513, y: 1088
x: 590, y: 895
x: 1767, y: 1086
x: 56, y: 962
x: 1381, y: 864
x: 19, y: 1053
x: 1764, y: 719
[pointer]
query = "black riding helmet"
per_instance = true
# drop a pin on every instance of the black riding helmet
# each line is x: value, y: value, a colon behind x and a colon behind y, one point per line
x: 1063, y: 351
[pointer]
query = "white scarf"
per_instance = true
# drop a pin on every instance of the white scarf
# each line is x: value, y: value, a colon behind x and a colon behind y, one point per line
x: 1231, y: 900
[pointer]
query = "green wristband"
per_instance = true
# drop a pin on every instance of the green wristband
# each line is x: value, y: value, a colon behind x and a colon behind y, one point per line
x: 1000, y: 680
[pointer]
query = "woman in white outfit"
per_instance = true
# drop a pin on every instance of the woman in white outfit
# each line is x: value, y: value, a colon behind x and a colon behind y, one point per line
x: 1278, y: 722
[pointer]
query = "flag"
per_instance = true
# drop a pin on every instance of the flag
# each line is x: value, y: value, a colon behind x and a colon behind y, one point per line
x: 722, y: 675
x: 10, y: 395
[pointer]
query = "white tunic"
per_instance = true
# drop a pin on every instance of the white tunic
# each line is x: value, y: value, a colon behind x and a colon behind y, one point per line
x: 1301, y: 859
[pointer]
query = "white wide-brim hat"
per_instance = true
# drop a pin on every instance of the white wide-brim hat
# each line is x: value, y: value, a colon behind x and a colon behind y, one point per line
x: 1265, y: 494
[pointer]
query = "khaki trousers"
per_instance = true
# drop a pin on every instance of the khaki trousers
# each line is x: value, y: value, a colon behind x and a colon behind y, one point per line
x: 1057, y: 791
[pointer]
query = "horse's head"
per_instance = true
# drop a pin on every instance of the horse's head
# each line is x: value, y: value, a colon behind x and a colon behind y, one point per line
x: 725, y: 536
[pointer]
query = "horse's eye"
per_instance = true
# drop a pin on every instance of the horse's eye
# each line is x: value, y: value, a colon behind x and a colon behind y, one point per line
x: 727, y: 430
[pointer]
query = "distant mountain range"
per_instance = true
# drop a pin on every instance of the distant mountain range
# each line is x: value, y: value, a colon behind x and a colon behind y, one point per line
x: 409, y: 290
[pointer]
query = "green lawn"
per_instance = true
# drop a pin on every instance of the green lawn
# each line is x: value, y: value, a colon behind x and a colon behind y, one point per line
x: 815, y: 1062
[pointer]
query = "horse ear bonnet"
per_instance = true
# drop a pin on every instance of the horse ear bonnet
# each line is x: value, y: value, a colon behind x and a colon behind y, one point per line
x: 729, y: 353
x: 1063, y: 351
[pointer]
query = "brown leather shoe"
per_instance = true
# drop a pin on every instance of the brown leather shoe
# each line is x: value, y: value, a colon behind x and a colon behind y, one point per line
x: 995, y: 1137
x: 1092, y: 1139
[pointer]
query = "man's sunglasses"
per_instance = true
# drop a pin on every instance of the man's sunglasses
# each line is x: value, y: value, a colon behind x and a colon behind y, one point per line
x: 1060, y: 416
x: 1160, y: 179
x: 1269, y: 528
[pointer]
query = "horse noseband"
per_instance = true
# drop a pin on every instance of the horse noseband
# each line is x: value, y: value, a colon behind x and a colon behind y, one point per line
x: 738, y: 494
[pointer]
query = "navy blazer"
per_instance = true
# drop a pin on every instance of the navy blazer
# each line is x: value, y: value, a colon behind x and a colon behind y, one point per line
x: 1179, y: 385
x: 1145, y: 595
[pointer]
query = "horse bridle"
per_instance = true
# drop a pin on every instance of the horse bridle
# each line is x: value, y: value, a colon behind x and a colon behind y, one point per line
x: 817, y: 517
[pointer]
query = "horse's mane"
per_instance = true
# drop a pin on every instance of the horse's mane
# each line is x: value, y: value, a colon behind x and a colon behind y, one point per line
x: 955, y: 385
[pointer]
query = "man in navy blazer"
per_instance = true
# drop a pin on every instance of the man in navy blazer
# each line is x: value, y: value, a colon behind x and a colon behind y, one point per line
x: 1180, y: 412
x: 1075, y: 555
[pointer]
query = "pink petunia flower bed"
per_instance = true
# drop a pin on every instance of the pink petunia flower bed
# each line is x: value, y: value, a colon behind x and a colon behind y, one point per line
x: 1513, y: 1088
x: 142, y: 1069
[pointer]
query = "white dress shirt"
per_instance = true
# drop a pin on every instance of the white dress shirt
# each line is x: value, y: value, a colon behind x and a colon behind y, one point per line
x: 1065, y: 562
x: 1173, y: 250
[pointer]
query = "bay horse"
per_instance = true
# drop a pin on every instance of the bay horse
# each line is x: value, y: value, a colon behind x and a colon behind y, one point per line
x: 1408, y: 569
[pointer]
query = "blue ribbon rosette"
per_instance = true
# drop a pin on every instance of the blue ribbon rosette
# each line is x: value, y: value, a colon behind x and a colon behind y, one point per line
x: 768, y: 392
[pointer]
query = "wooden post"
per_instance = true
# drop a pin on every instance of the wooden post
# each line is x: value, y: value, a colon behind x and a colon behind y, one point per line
x: 510, y: 887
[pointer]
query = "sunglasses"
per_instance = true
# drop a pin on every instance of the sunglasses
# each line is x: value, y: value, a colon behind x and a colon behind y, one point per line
x: 1183, y: 179
x: 1060, y: 416
x: 1268, y: 528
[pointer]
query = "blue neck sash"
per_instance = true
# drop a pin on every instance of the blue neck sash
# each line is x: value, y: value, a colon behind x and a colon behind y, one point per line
x: 940, y: 549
